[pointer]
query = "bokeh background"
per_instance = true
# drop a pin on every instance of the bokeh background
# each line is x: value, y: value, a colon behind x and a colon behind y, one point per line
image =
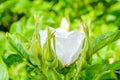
x: 102, y: 15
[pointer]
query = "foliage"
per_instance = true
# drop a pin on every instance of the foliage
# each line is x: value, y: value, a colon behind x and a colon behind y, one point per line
x: 21, y: 55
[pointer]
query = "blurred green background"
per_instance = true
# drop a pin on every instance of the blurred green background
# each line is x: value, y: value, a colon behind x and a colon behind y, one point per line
x: 101, y: 16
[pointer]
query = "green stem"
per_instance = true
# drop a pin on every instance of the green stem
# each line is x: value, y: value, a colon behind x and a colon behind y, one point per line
x: 99, y: 75
x: 81, y: 61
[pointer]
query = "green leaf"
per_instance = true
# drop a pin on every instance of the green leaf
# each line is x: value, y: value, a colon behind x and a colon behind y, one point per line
x: 108, y: 76
x: 15, y: 43
x: 13, y: 58
x: 2, y: 42
x: 49, y: 52
x: 35, y: 49
x: 52, y: 74
x: 3, y: 71
x: 104, y: 40
x: 16, y: 27
x: 115, y: 65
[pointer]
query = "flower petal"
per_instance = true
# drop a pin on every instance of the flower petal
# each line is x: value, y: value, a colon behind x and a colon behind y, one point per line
x: 64, y: 23
x: 68, y: 46
x: 43, y: 36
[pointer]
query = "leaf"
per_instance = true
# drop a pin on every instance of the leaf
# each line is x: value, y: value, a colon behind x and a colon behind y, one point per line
x: 15, y: 43
x: 3, y: 71
x: 89, y: 74
x: 13, y: 58
x: 52, y: 74
x: 115, y: 65
x: 7, y: 5
x: 104, y: 40
x: 35, y: 49
x: 108, y: 76
x: 16, y: 27
x: 2, y: 42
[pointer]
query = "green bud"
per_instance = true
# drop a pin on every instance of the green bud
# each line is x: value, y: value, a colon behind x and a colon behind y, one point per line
x: 52, y: 74
x: 48, y: 51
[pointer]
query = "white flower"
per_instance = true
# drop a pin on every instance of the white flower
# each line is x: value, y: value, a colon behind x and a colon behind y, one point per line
x: 68, y: 44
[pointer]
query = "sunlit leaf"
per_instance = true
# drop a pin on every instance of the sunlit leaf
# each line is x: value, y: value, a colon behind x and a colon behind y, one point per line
x: 115, y: 65
x: 104, y: 40
x: 3, y: 71
x: 15, y: 43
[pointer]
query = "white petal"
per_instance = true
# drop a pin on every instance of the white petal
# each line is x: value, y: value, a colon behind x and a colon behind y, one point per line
x: 79, y: 41
x: 64, y: 24
x: 61, y: 33
x: 68, y: 46
x: 43, y: 36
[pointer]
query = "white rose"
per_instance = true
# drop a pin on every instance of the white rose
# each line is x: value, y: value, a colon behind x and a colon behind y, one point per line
x: 68, y: 44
